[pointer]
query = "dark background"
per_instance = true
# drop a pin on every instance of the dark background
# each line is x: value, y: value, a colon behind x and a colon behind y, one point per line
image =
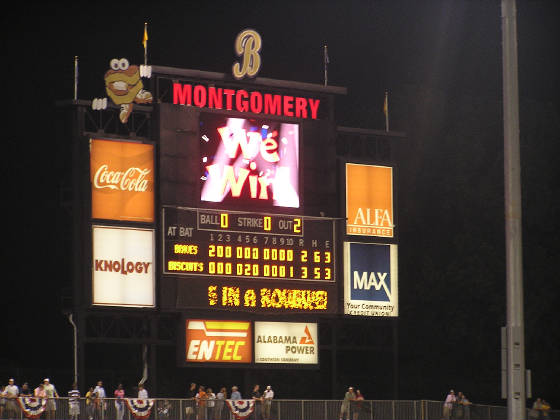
x: 440, y: 61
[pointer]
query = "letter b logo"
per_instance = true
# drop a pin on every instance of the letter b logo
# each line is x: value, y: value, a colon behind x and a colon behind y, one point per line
x: 247, y: 46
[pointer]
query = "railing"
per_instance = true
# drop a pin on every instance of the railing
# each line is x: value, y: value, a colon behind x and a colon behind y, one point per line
x: 184, y: 409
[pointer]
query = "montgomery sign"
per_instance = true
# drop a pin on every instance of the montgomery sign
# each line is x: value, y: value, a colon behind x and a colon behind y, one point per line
x: 243, y: 101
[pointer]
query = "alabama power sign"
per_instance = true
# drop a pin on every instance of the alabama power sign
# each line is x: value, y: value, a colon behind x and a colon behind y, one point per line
x: 214, y: 341
x: 369, y: 200
x: 122, y: 180
x: 286, y: 342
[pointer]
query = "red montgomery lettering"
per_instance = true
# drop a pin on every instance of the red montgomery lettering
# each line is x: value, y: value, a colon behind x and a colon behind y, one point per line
x: 243, y: 101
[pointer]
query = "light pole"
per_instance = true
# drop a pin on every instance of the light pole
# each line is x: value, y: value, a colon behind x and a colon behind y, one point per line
x: 512, y: 184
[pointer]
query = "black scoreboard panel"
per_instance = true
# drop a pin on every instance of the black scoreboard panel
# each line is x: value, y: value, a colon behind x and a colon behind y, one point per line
x: 248, y: 261
x: 220, y: 243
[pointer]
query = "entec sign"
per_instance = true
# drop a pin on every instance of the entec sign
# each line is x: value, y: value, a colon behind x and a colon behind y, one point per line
x: 122, y: 180
x: 210, y: 341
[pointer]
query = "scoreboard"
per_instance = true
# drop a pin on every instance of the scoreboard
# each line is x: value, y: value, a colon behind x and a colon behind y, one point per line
x: 248, y: 245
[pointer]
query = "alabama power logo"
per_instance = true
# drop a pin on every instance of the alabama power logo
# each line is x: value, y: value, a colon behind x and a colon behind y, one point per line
x: 218, y: 341
x: 369, y: 200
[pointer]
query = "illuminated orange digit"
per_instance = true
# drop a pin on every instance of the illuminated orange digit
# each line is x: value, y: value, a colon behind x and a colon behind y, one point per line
x: 297, y: 225
x: 224, y: 220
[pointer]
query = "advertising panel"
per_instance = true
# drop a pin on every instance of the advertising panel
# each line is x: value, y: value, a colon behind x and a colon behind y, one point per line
x: 371, y: 279
x: 122, y: 180
x: 249, y: 161
x: 213, y: 341
x: 369, y: 200
x: 123, y: 266
x: 286, y: 342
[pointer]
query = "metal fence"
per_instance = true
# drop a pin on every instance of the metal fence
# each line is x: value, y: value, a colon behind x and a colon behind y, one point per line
x: 183, y: 409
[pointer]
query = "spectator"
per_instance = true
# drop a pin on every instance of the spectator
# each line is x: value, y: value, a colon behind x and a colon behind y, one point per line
x: 536, y: 411
x: 74, y: 402
x: 11, y: 392
x: 100, y: 405
x: 448, y: 405
x: 25, y: 391
x: 91, y: 396
x: 268, y: 395
x: 463, y: 406
x: 142, y: 392
x: 257, y: 398
x: 220, y: 401
x: 119, y: 401
x: 201, y: 398
x: 211, y: 402
x: 191, y: 395
x: 51, y: 394
x: 358, y: 405
x: 545, y: 409
x: 2, y: 401
x: 345, y: 407
x: 235, y: 394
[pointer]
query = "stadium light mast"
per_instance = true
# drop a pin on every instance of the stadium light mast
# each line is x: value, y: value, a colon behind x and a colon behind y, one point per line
x: 512, y: 185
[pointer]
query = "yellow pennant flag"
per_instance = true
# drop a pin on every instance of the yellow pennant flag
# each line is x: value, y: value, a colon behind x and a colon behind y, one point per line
x: 145, y: 37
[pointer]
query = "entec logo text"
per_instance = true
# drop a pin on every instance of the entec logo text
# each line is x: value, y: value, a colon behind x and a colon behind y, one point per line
x: 218, y: 341
x: 243, y: 101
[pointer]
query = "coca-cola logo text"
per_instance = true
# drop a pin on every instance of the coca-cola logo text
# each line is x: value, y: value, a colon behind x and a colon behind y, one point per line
x: 133, y: 179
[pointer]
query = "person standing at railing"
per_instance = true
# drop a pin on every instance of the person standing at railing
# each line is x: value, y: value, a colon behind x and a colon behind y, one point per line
x: 51, y: 394
x: 257, y: 399
x: 463, y: 407
x: 345, y: 407
x: 358, y: 405
x: 90, y: 403
x: 119, y: 401
x: 11, y: 392
x: 268, y: 395
x: 221, y: 398
x: 74, y: 402
x: 211, y: 403
x: 191, y: 396
x: 101, y: 405
x: 142, y: 392
x: 25, y: 391
x: 201, y: 398
x: 450, y: 401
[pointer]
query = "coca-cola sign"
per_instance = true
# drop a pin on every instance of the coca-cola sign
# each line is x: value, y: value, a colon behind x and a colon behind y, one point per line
x: 133, y: 179
x: 122, y: 180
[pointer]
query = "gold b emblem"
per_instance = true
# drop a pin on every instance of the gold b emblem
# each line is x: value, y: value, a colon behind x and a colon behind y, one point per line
x: 247, y: 46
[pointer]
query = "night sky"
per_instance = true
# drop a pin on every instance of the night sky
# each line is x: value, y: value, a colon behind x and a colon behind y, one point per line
x: 440, y: 61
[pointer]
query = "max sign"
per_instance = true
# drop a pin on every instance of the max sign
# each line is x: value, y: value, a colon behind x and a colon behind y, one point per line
x: 210, y: 341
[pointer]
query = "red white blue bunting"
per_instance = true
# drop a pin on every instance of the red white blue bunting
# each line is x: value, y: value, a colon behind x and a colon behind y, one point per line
x: 140, y: 409
x: 32, y: 407
x: 241, y: 409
